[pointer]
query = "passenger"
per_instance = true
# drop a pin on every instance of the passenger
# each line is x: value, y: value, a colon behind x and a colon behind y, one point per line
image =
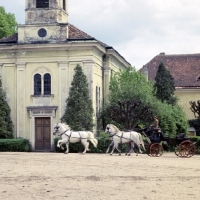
x: 153, y: 127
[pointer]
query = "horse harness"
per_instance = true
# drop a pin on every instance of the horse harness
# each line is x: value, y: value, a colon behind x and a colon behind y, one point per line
x: 121, y: 137
x: 70, y: 136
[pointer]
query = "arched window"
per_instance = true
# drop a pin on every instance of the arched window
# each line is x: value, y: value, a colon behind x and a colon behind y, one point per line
x: 47, y: 84
x: 37, y: 84
x: 42, y: 3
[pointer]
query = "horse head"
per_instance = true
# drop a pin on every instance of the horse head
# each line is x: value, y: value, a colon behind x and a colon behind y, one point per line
x: 56, y: 129
x: 59, y: 128
x: 111, y: 129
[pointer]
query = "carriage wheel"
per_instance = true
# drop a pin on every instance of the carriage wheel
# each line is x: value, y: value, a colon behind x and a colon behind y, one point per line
x: 147, y: 147
x: 186, y: 149
x: 156, y: 150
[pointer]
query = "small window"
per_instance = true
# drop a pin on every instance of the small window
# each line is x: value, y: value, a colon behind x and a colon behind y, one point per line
x: 47, y: 84
x: 42, y: 3
x: 64, y: 5
x: 37, y: 84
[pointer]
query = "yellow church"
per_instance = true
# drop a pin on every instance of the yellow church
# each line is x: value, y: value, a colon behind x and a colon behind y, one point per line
x: 37, y: 67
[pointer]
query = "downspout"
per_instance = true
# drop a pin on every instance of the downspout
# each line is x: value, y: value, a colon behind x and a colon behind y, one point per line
x: 103, y: 81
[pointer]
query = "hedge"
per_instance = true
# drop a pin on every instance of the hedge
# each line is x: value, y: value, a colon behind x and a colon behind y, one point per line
x: 15, y: 145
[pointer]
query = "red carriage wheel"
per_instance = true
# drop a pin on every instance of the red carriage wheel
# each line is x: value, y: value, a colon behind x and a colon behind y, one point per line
x: 156, y: 150
x: 186, y: 149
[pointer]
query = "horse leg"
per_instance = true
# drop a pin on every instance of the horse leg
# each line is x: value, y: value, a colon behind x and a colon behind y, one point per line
x: 131, y: 148
x: 109, y: 146
x: 128, y: 147
x: 59, y: 143
x: 67, y: 148
x: 86, y: 145
x: 113, y: 149
x: 119, y: 151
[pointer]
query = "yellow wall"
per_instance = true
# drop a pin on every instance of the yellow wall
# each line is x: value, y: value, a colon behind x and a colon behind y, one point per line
x: 185, y: 96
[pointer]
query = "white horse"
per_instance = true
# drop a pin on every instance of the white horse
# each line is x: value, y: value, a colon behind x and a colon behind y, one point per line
x: 67, y: 135
x: 131, y: 137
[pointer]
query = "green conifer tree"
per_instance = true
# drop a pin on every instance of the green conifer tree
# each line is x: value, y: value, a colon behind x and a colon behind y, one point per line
x: 79, y: 111
x: 6, y: 125
x: 164, y: 85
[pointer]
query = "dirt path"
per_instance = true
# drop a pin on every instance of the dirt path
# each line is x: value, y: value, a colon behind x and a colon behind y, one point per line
x: 27, y: 176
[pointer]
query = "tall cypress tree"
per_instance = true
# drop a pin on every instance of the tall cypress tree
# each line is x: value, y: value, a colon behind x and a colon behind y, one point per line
x: 164, y: 85
x: 79, y: 111
x: 6, y: 125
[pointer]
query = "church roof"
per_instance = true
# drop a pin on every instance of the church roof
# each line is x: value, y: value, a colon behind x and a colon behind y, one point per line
x: 185, y: 68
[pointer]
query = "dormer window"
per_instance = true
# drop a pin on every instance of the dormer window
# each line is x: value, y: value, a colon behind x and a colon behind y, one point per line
x: 42, y: 3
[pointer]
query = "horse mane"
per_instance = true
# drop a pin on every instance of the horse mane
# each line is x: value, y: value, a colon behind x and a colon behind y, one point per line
x: 116, y: 129
x: 66, y: 126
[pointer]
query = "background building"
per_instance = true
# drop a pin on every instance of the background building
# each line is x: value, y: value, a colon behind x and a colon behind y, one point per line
x: 185, y: 70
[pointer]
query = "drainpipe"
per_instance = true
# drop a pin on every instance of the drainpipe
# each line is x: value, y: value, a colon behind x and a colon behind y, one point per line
x: 103, y: 81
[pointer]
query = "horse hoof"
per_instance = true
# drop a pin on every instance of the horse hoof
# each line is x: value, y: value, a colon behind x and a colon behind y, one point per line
x: 66, y: 153
x: 110, y: 154
x: 129, y: 154
x: 119, y: 154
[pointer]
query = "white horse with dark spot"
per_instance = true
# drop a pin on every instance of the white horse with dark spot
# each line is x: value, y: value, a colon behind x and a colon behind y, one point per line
x: 68, y: 136
x: 131, y: 137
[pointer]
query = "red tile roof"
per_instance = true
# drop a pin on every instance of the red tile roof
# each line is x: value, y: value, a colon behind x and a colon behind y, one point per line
x: 184, y: 68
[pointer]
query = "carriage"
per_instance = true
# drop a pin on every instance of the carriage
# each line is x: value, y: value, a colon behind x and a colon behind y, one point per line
x: 182, y: 145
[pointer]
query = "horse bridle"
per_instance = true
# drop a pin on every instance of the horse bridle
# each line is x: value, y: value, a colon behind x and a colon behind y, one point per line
x: 57, y: 127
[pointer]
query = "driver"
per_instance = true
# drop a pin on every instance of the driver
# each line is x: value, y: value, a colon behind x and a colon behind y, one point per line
x: 153, y: 126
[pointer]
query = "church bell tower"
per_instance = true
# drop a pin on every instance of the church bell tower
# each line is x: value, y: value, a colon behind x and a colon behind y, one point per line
x: 45, y: 21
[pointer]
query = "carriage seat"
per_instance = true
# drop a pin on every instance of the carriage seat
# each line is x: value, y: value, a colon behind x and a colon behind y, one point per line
x: 181, y: 136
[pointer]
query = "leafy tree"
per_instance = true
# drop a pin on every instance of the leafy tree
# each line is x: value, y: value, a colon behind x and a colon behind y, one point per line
x: 164, y: 85
x: 195, y: 108
x: 6, y: 125
x: 132, y: 85
x: 79, y: 111
x: 7, y: 23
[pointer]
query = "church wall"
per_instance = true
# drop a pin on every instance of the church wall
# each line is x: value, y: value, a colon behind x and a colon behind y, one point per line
x: 59, y: 61
x: 8, y: 81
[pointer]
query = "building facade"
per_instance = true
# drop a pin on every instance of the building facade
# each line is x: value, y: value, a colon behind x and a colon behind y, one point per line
x: 37, y: 67
x: 185, y: 69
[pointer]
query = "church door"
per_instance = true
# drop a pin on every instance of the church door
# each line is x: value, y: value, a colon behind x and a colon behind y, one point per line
x: 42, y: 134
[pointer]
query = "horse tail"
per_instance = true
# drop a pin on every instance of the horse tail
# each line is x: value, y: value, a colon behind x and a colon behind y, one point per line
x: 141, y: 141
x: 92, y: 138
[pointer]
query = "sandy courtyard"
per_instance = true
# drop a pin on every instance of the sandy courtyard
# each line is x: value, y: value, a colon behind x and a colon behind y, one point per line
x: 29, y: 176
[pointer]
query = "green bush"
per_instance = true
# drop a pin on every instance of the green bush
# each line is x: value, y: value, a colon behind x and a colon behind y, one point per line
x: 15, y: 145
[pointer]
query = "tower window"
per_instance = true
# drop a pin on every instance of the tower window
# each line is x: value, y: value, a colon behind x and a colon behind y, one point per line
x: 64, y: 5
x: 42, y: 3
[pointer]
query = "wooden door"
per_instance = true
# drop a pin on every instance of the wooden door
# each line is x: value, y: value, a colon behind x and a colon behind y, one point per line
x: 42, y: 134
